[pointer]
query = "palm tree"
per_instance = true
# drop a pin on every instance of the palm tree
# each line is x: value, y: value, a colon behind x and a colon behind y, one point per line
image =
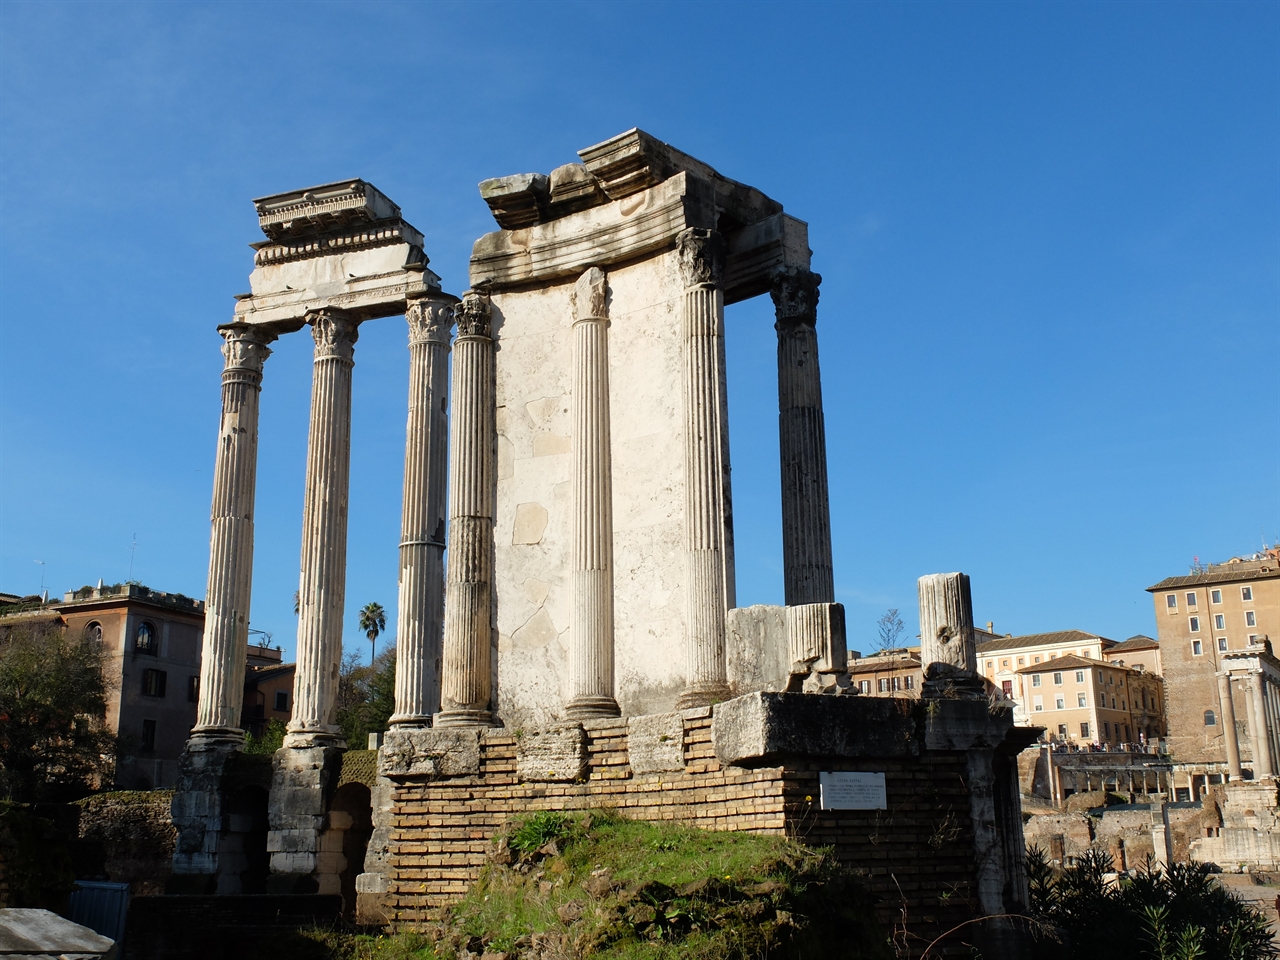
x: 373, y: 620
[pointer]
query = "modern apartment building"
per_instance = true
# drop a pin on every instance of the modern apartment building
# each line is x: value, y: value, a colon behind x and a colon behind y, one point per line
x: 1085, y: 700
x: 1218, y: 610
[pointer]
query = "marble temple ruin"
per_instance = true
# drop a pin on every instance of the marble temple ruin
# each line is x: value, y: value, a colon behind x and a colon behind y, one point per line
x: 568, y: 634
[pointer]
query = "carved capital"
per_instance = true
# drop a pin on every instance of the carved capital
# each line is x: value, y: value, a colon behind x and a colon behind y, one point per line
x: 245, y: 347
x: 474, y: 316
x: 335, y: 334
x: 429, y: 321
x: 591, y: 296
x: 702, y: 254
x: 795, y: 296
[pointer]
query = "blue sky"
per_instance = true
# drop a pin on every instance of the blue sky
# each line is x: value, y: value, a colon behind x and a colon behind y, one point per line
x: 1049, y: 236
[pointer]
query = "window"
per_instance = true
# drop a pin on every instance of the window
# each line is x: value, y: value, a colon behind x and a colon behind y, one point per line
x: 1127, y: 737
x: 1246, y: 593
x: 1035, y: 679
x: 1060, y: 704
x: 1079, y: 676
x: 148, y: 736
x: 1110, y: 680
x: 909, y: 682
x: 1057, y: 679
x: 1062, y: 730
x: 1219, y: 621
x: 1144, y: 699
x: 1037, y: 704
x: 1084, y: 730
x: 1022, y: 661
x: 153, y: 682
x: 1253, y: 638
x: 1106, y: 730
x: 1081, y: 700
x: 1035, y: 659
x: 1004, y: 663
x: 282, y: 701
x: 991, y: 664
x: 864, y: 686
x: 1113, y: 703
x: 144, y: 641
x: 193, y: 689
x: 1222, y: 643
x: 1215, y: 596
x: 1250, y: 619
x: 1007, y: 687
x: 1209, y: 719
x: 896, y: 681
x: 1195, y: 624
x: 1191, y: 599
x: 1120, y: 682
x: 1195, y: 648
x: 93, y: 632
x: 882, y: 685
x: 1171, y: 601
x: 1122, y: 706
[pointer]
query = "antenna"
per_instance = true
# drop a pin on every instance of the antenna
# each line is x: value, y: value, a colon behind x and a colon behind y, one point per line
x: 41, y: 562
x: 131, y: 552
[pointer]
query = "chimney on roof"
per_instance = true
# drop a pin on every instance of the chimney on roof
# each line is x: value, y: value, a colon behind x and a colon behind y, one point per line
x: 991, y: 626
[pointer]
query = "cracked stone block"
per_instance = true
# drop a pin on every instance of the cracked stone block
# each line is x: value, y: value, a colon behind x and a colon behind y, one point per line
x: 655, y: 743
x: 430, y: 753
x: 556, y: 754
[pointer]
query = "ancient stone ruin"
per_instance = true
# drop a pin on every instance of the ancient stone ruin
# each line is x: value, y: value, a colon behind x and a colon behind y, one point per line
x: 584, y: 646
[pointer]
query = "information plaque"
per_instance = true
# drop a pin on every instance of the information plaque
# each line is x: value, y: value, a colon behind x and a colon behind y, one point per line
x: 852, y: 791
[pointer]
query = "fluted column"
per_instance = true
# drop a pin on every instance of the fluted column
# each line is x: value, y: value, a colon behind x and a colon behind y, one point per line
x: 946, y: 622
x: 466, y: 685
x: 226, y: 609
x: 1227, y: 710
x: 701, y: 255
x: 802, y: 442
x: 420, y: 619
x: 591, y: 623
x: 323, y: 582
x: 1258, y: 734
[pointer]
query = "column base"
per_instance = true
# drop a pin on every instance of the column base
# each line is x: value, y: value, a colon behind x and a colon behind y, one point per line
x: 321, y: 737
x: 463, y: 717
x: 587, y: 708
x: 703, y: 695
x: 414, y: 721
x: 207, y: 738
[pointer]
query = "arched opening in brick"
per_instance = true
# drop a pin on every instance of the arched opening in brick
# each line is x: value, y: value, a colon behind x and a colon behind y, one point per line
x: 243, y: 862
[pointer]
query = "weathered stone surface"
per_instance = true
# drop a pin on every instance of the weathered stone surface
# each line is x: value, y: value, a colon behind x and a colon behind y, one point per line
x: 557, y: 754
x: 761, y: 728
x: 946, y: 622
x: 963, y: 724
x: 444, y: 752
x: 516, y: 201
x: 756, y: 648
x: 815, y: 635
x: 28, y: 932
x: 655, y: 743
x: 302, y: 782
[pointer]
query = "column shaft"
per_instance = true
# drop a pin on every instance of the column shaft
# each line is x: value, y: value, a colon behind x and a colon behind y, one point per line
x: 806, y: 509
x: 701, y: 254
x: 1258, y: 735
x: 591, y: 626
x: 420, y: 619
x: 946, y: 621
x: 466, y: 683
x: 1227, y: 711
x: 323, y: 581
x: 226, y: 618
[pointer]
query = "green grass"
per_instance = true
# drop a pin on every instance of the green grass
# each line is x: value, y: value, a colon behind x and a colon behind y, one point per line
x: 618, y: 889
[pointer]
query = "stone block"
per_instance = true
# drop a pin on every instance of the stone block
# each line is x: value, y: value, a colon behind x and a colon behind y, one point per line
x: 293, y: 863
x: 756, y: 651
x: 340, y: 820
x: 444, y: 752
x: 557, y: 754
x: 655, y: 743
x: 762, y: 728
x: 29, y: 932
x: 966, y: 725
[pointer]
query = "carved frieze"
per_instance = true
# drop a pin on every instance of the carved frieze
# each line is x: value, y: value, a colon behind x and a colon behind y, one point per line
x: 315, y: 210
x: 335, y: 334
x: 702, y: 255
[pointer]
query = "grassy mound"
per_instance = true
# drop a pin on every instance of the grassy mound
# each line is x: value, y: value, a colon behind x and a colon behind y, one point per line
x: 562, y: 887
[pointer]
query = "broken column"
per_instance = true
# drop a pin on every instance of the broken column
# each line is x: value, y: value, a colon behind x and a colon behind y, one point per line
x: 806, y: 514
x: 702, y: 255
x: 466, y: 684
x: 420, y: 618
x: 591, y: 624
x: 948, y: 652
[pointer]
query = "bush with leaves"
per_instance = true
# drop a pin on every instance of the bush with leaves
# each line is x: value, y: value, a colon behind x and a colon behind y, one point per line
x: 1177, y: 912
x: 366, y: 696
x: 54, y: 743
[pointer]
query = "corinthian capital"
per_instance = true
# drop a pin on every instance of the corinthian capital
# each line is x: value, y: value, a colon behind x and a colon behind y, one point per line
x: 335, y: 334
x: 795, y: 296
x: 429, y: 321
x: 701, y: 254
x: 591, y: 296
x: 473, y: 316
x: 245, y: 347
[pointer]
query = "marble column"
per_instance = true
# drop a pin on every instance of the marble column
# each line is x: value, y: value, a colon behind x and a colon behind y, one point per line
x: 1273, y: 719
x: 420, y: 618
x: 1258, y: 733
x: 466, y: 683
x: 323, y: 581
x: 226, y: 618
x: 701, y: 257
x: 591, y: 623
x: 946, y: 622
x: 806, y: 510
x: 1227, y: 711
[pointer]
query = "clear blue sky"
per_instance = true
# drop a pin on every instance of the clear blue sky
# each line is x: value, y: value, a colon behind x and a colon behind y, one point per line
x: 1049, y: 236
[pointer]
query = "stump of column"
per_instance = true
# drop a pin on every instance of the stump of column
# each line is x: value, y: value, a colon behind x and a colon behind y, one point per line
x: 701, y: 257
x: 591, y: 623
x: 948, y: 651
x: 802, y: 444
x: 420, y: 619
x: 466, y: 683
